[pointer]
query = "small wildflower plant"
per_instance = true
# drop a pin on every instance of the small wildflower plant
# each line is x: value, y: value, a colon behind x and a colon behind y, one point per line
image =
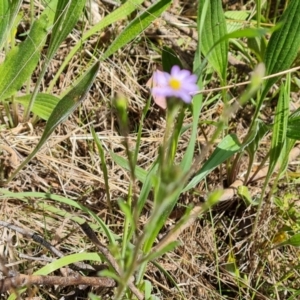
x: 178, y: 83
x: 175, y: 173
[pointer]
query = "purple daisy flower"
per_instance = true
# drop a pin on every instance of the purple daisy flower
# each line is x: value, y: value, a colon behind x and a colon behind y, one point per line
x: 179, y: 83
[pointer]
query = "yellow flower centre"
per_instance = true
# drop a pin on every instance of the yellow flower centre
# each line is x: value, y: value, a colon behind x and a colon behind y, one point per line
x: 175, y: 84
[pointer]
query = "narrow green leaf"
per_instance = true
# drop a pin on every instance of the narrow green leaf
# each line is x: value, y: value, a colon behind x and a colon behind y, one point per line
x: 68, y: 260
x: 147, y: 186
x: 154, y: 255
x: 66, y: 16
x: 279, y: 129
x: 66, y: 201
x: 123, y: 162
x: 63, y: 109
x: 43, y: 106
x: 140, y: 23
x: 284, y: 43
x: 189, y: 154
x: 124, y: 10
x: 22, y: 60
x: 228, y: 147
x: 214, y: 30
x: 169, y: 59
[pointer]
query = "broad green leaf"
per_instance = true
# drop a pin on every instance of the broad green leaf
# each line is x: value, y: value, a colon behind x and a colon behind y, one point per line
x: 21, y: 61
x: 293, y: 126
x: 43, y: 105
x: 284, y: 43
x: 227, y: 148
x: 214, y: 30
x: 4, y: 20
x: 242, y: 33
x: 124, y: 10
x: 279, y: 129
x: 134, y: 28
x: 293, y: 131
x: 235, y: 19
x: 63, y: 109
x: 8, y: 18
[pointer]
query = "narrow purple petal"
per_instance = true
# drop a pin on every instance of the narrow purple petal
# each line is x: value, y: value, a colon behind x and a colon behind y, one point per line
x: 183, y: 75
x: 191, y: 87
x: 191, y: 78
x: 184, y: 96
x: 161, y: 78
x: 175, y: 70
x: 162, y: 91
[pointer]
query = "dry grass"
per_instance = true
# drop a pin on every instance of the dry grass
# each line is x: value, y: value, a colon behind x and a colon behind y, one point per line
x: 203, y: 266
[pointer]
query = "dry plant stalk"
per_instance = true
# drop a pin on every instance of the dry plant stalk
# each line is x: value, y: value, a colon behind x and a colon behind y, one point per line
x: 22, y: 280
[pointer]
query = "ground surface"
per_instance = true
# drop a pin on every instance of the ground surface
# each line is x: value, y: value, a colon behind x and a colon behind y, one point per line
x: 216, y: 246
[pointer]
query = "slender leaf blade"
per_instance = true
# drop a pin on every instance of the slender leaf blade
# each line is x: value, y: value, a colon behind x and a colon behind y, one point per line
x: 116, y: 15
x: 140, y: 23
x: 63, y: 109
x: 228, y: 147
x: 66, y: 16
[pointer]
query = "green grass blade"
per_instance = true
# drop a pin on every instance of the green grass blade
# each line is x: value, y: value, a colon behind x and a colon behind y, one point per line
x: 68, y: 260
x: 118, y: 14
x: 66, y: 16
x: 189, y: 154
x: 60, y: 263
x: 227, y: 148
x: 214, y: 30
x: 103, y: 167
x: 43, y: 106
x: 66, y: 201
x: 63, y: 109
x: 22, y: 60
x: 147, y: 186
x: 140, y: 23
x: 284, y: 43
x: 140, y: 173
